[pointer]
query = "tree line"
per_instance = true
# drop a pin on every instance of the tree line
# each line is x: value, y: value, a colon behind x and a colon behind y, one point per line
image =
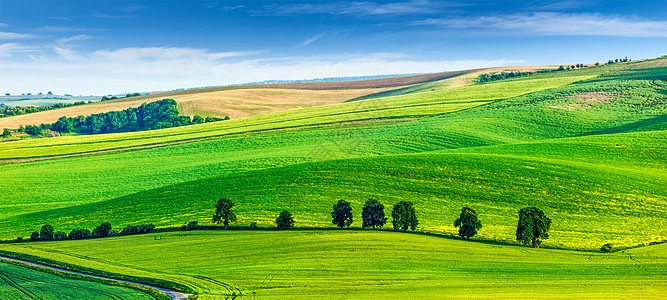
x: 154, y: 115
x: 533, y: 225
x: 48, y: 233
x: 8, y: 111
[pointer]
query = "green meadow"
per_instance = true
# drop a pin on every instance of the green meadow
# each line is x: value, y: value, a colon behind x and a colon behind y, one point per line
x: 587, y: 146
x: 350, y: 264
x: 18, y: 282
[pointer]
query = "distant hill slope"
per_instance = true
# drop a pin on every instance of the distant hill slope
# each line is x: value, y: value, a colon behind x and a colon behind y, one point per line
x: 248, y: 100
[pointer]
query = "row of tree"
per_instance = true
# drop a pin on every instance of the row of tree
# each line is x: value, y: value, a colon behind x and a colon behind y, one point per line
x: 533, y: 225
x: 8, y: 111
x: 148, y: 116
x: 47, y: 232
x: 107, y: 98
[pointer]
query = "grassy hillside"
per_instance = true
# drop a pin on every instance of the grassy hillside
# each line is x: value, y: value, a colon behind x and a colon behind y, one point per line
x: 498, y: 127
x: 22, y: 283
x: 364, y: 265
x: 395, y: 107
x: 592, y: 197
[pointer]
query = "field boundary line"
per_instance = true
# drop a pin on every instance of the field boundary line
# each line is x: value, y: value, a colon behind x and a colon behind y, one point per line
x: 24, y: 160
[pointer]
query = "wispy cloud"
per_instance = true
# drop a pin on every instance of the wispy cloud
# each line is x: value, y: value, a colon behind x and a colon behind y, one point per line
x: 62, y: 18
x: 310, y: 40
x: 133, y: 8
x: 65, y: 50
x: 153, y: 54
x: 413, y: 7
x: 15, y: 36
x: 7, y: 49
x: 553, y: 24
x: 3, y: 24
x: 60, y: 28
x: 555, y: 5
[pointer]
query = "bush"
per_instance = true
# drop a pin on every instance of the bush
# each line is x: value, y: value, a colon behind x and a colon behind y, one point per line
x: 192, y: 225
x: 114, y: 233
x: 102, y: 230
x: 19, y: 239
x: 34, y: 236
x: 608, y: 247
x: 59, y: 236
x: 253, y: 226
x: 46, y: 232
x: 131, y: 229
x: 285, y: 220
x: 79, y: 234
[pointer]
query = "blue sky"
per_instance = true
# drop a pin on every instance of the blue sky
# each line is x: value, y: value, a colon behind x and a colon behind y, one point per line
x: 101, y: 47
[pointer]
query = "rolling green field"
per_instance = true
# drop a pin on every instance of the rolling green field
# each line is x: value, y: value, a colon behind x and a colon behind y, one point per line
x: 587, y: 146
x: 364, y: 265
x: 18, y: 282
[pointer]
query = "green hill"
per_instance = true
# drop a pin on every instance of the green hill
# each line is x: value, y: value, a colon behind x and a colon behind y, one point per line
x: 363, y: 265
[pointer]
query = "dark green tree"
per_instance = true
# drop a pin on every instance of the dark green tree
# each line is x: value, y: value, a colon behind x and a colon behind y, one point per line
x: 223, y: 212
x: 468, y: 223
x: 285, y: 220
x: 79, y: 234
x: 59, y: 236
x: 6, y: 133
x: 373, y: 214
x: 403, y: 216
x: 533, y: 226
x: 34, y: 236
x: 64, y: 124
x: 341, y: 215
x: 197, y: 119
x: 102, y: 230
x: 46, y: 232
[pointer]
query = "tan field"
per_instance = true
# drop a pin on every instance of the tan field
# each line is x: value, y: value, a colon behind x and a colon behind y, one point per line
x: 244, y: 101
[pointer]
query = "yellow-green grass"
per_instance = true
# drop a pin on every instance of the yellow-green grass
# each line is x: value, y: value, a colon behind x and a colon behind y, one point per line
x: 585, y: 185
x: 345, y: 264
x: 235, y: 103
x: 18, y: 282
x: 411, y: 105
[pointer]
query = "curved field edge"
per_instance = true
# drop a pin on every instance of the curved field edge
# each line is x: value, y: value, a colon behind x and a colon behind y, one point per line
x: 592, y: 200
x: 410, y: 105
x: 355, y: 89
x: 43, y: 283
x: 364, y: 264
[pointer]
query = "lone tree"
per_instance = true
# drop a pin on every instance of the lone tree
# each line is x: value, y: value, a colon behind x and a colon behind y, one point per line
x: 533, y: 226
x: 285, y: 220
x: 373, y: 214
x: 403, y: 216
x: 46, y: 233
x: 341, y: 215
x: 468, y: 223
x: 223, y: 212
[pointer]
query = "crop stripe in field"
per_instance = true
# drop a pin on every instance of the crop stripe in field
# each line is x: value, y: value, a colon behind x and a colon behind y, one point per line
x: 17, y: 286
x: 32, y: 159
x: 105, y: 293
x: 234, y: 290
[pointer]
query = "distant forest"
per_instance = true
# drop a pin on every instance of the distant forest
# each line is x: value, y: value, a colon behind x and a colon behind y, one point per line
x: 148, y: 116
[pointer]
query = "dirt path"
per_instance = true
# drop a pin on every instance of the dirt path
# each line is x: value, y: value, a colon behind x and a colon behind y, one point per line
x: 16, y: 161
x: 172, y: 294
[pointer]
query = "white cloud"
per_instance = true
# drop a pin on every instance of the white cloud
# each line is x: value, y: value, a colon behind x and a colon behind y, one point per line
x: 310, y: 40
x: 158, y: 68
x: 554, y: 23
x: 60, y: 28
x: 14, y: 35
x: 67, y: 40
x: 361, y: 8
x: 3, y: 24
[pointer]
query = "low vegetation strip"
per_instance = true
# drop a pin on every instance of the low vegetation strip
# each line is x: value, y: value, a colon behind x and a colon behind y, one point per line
x: 422, y: 104
x: 30, y: 281
x: 365, y: 264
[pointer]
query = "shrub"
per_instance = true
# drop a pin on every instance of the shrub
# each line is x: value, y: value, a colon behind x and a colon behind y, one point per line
x: 285, y: 220
x: 253, y: 226
x: 146, y: 228
x: 608, y: 247
x: 102, y: 230
x: 192, y: 225
x: 130, y: 230
x: 59, y: 236
x: 114, y: 233
x: 34, y: 236
x: 46, y: 232
x: 19, y: 239
x: 79, y: 234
